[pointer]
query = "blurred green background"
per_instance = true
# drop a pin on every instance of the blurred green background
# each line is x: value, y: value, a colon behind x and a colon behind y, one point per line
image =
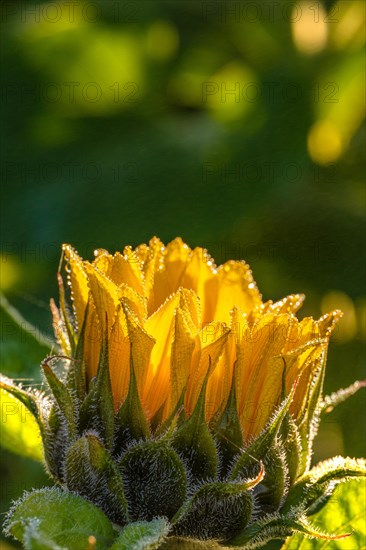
x: 236, y: 125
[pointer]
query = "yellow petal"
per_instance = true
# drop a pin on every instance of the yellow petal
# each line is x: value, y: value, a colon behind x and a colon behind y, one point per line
x: 209, y: 346
x: 260, y: 410
x: 199, y: 276
x: 105, y: 296
x: 168, y: 277
x: 154, y: 262
x: 126, y: 269
x: 191, y: 309
x: 259, y: 344
x: 142, y: 252
x: 236, y: 287
x: 219, y: 382
x: 308, y: 364
x: 177, y: 255
x: 289, y: 304
x: 126, y: 331
x: 103, y: 261
x: 78, y: 282
x: 92, y: 341
x: 328, y: 322
x: 142, y: 345
x: 181, y: 359
x: 300, y: 333
x: 59, y: 329
x: 161, y: 327
x: 119, y: 357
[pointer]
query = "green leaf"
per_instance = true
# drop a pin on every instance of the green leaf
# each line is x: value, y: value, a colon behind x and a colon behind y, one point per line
x: 142, y: 535
x: 19, y: 430
x: 63, y: 518
x: 344, y: 513
x: 35, y: 540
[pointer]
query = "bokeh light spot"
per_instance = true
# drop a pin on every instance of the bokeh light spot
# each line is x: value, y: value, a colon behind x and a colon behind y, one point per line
x: 324, y: 142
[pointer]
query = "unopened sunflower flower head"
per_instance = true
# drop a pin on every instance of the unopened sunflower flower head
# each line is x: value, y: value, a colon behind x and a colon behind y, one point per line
x: 184, y: 396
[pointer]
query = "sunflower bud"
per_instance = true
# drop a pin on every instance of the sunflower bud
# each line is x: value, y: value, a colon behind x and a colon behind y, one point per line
x: 164, y: 356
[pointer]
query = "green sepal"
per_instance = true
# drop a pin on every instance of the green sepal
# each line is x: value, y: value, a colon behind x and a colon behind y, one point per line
x: 321, y: 480
x: 142, y: 535
x: 195, y: 444
x: 131, y: 423
x: 97, y: 411
x: 275, y: 484
x: 292, y: 447
x: 76, y: 374
x: 156, y: 420
x: 175, y: 418
x: 62, y: 517
x: 290, y: 437
x: 216, y: 511
x: 278, y: 526
x: 91, y: 472
x: 308, y: 423
x: 155, y: 480
x: 257, y: 450
x: 54, y: 438
x: 62, y: 397
x: 228, y: 433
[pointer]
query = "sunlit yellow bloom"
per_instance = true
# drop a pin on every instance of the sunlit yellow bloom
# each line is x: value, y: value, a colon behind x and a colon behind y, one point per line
x: 188, y: 320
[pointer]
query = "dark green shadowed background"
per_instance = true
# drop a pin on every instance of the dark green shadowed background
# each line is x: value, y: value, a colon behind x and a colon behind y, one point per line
x: 235, y: 125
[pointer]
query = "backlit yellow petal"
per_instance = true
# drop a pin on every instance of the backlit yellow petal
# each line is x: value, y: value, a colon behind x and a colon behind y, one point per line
x: 119, y: 357
x: 186, y: 321
x: 156, y: 291
x: 177, y: 255
x: 181, y: 359
x: 103, y: 261
x: 259, y: 344
x: 161, y: 327
x: 78, y: 282
x: 92, y: 341
x: 308, y: 364
x: 289, y: 304
x: 199, y: 276
x: 125, y: 269
x: 328, y: 323
x: 105, y: 296
x: 127, y: 335
x: 219, y: 383
x: 209, y: 347
x: 235, y: 287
